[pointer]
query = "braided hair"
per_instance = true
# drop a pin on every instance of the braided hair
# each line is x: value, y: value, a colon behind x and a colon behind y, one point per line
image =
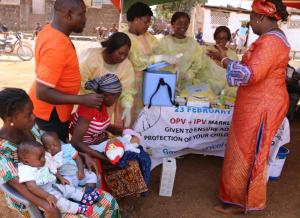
x: 12, y: 101
x: 281, y: 9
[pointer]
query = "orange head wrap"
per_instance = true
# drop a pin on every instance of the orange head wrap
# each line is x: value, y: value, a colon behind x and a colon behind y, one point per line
x: 266, y: 8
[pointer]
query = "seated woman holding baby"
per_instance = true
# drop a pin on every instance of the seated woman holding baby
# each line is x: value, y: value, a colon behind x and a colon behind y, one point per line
x: 88, y: 127
x: 19, y: 129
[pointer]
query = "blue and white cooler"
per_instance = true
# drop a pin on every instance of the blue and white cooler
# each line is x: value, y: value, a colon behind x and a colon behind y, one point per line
x: 159, y: 86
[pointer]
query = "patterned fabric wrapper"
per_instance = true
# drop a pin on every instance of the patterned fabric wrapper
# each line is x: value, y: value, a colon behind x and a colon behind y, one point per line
x: 237, y: 74
x: 266, y: 8
x: 125, y: 182
x: 107, y: 207
x: 144, y: 162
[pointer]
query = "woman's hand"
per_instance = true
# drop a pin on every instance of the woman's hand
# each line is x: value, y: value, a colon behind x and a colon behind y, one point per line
x: 90, y: 163
x: 218, y: 56
x: 51, y: 199
x: 51, y: 212
x: 115, y: 130
x: 106, y: 164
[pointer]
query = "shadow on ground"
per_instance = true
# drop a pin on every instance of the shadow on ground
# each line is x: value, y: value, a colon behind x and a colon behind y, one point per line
x: 196, y: 187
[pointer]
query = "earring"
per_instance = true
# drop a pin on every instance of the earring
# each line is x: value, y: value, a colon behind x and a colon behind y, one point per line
x: 11, y: 124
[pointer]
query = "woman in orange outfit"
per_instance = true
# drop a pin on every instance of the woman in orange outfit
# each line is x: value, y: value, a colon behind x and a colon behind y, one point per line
x: 261, y: 105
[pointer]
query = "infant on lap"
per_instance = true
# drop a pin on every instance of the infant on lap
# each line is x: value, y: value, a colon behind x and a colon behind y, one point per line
x: 37, y: 177
x: 63, y: 161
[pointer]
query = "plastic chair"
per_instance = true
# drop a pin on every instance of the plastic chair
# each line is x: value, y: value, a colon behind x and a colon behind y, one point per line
x: 12, y: 193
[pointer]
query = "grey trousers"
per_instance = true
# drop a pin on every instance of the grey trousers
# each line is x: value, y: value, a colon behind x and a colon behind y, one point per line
x: 62, y: 194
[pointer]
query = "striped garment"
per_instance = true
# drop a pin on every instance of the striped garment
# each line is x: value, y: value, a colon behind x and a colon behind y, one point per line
x: 109, y: 83
x: 99, y: 121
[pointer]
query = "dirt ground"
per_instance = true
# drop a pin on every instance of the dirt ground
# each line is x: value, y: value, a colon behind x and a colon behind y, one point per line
x: 197, y: 177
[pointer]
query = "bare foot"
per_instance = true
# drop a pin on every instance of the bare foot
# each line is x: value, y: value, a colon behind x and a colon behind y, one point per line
x: 229, y: 209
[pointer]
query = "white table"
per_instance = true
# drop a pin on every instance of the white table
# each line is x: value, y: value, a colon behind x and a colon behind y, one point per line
x: 172, y: 132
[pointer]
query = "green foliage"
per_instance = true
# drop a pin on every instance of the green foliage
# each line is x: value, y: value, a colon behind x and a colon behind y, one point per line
x: 165, y: 11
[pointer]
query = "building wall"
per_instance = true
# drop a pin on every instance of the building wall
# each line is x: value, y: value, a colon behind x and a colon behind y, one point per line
x: 10, y: 2
x: 293, y: 35
x: 236, y: 3
x: 41, y: 18
x: 107, y: 15
x: 234, y: 23
x: 26, y: 20
x: 104, y: 2
x: 9, y: 15
x: 23, y: 16
x: 197, y: 20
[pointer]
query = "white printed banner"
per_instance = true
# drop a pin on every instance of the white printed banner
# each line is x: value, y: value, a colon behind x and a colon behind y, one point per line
x: 171, y: 131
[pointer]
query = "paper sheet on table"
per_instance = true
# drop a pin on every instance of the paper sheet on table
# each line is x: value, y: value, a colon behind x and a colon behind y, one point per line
x: 195, y: 90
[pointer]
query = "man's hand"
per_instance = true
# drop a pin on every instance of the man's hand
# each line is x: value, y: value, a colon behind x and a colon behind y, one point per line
x: 92, y: 100
x: 51, y: 199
